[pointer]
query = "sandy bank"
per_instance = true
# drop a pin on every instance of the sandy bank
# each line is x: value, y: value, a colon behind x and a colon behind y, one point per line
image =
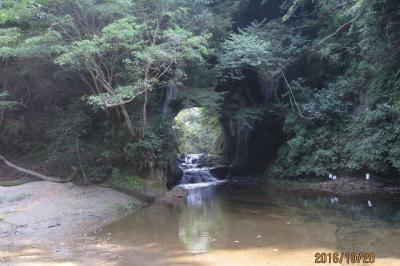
x: 37, y: 219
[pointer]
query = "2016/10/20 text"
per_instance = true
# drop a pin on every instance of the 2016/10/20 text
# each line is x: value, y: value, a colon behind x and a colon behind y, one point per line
x: 350, y: 257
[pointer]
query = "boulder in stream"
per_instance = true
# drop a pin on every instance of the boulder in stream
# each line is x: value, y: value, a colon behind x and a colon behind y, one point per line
x: 175, y: 194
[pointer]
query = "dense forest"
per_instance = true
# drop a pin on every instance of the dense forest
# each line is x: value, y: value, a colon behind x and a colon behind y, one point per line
x: 289, y: 88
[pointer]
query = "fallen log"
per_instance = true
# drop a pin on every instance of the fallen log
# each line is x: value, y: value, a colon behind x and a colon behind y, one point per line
x: 36, y: 174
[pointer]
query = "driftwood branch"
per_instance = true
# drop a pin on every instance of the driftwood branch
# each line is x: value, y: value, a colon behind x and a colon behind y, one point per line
x: 35, y: 174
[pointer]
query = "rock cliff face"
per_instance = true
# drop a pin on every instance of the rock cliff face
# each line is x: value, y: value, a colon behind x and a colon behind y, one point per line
x: 250, y: 149
x: 250, y: 146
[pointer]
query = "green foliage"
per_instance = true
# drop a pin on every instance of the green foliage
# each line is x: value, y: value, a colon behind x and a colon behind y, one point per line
x: 374, y: 141
x: 13, y: 133
x: 124, y: 208
x: 307, y: 151
x: 205, y: 97
x: 156, y: 149
x: 6, y: 104
x: 117, y: 56
x: 124, y: 180
x: 67, y: 140
x: 260, y: 46
x: 247, y: 116
x: 220, y: 17
x: 355, y: 115
x: 145, y: 51
x: 245, y: 49
x: 197, y: 131
x: 291, y: 6
x: 340, y: 109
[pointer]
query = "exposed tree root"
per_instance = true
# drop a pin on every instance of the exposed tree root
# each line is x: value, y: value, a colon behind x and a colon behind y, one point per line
x: 36, y: 174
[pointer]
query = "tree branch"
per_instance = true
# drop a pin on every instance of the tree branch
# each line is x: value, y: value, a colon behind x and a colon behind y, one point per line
x: 338, y: 29
x: 292, y: 95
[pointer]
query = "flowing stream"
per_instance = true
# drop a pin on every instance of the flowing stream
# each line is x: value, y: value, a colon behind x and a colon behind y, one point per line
x: 196, y: 172
x: 243, y: 225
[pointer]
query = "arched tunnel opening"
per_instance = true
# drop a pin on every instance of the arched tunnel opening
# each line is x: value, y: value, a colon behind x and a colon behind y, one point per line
x: 198, y: 131
x: 242, y: 138
x: 199, y: 134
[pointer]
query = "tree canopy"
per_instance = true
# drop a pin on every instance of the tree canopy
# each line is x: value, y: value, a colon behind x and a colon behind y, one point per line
x: 92, y: 83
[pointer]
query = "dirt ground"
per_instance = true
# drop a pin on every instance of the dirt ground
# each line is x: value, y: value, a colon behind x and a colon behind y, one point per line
x: 38, y: 220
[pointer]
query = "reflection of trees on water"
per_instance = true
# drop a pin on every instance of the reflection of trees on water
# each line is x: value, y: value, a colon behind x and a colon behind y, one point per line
x: 361, y: 225
x: 286, y: 221
x: 358, y: 225
x: 338, y: 210
x: 201, y: 220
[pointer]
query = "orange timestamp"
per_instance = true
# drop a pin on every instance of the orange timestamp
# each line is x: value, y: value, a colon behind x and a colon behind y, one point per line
x: 349, y: 257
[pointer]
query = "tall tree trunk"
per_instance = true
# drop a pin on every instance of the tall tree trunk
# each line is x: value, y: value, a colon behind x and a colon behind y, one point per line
x: 144, y: 113
x: 128, y: 121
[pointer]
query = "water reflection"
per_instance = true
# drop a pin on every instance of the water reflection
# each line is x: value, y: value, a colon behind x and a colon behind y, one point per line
x: 221, y: 219
x: 201, y: 196
x: 334, y: 200
x: 355, y: 225
x: 201, y: 219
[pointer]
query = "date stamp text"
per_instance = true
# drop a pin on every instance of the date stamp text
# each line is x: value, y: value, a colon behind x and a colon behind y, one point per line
x: 349, y: 257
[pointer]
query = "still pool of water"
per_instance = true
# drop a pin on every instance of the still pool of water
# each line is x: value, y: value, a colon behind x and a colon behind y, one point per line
x: 225, y: 225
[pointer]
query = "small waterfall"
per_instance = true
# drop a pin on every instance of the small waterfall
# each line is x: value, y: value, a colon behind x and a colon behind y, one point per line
x: 196, y: 170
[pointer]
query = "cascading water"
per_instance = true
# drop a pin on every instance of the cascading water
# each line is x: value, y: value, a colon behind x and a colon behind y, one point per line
x: 196, y: 171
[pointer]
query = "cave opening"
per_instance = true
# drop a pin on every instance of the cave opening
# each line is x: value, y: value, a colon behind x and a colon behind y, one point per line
x: 198, y: 131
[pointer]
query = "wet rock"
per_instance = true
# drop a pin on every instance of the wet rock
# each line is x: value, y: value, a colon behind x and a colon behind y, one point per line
x: 220, y: 171
x: 174, y: 174
x: 175, y: 194
x: 196, y: 179
x: 197, y: 176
